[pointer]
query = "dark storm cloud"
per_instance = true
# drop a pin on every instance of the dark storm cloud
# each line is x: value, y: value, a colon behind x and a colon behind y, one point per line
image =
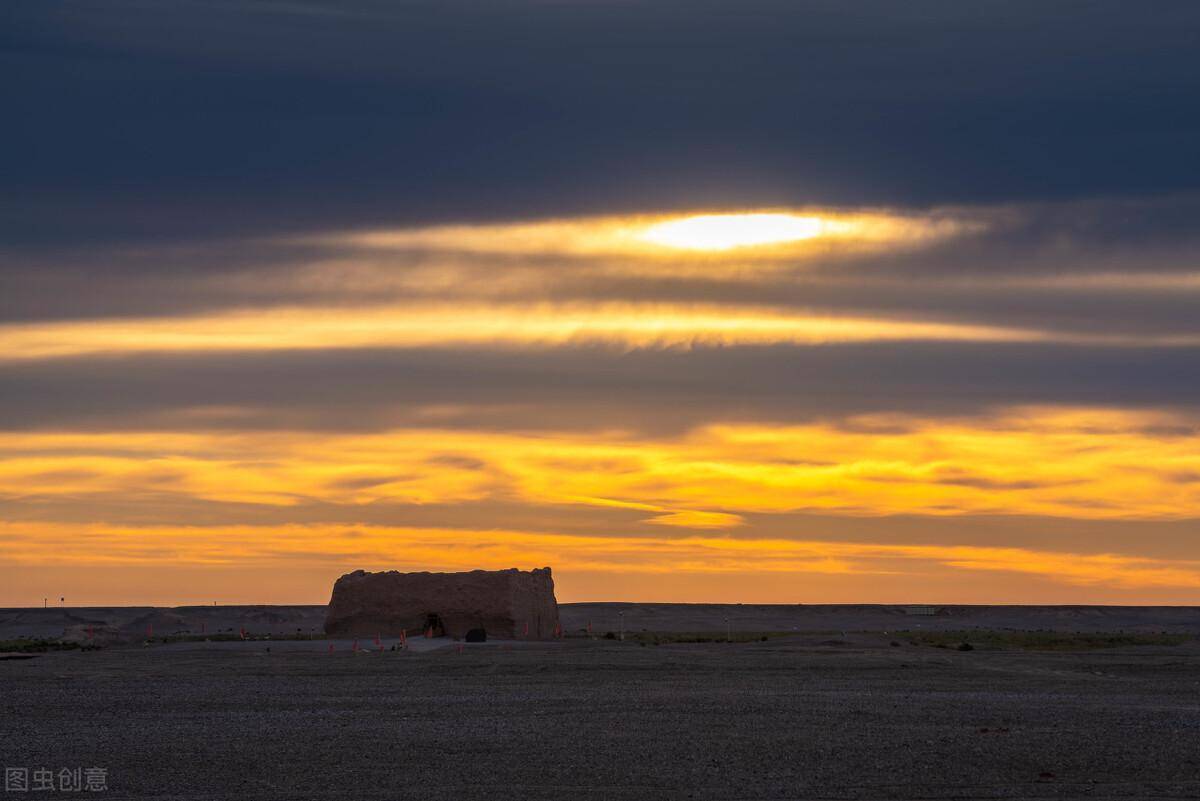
x: 576, y: 388
x: 138, y: 120
x: 76, y: 281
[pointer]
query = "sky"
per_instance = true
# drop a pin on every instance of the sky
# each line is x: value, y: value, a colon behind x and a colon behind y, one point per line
x: 762, y: 302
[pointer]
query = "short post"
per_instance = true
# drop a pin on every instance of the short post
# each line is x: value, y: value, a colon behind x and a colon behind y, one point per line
x: 621, y: 616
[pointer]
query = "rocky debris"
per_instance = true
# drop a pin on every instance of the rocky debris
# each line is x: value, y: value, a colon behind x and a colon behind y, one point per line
x: 509, y: 604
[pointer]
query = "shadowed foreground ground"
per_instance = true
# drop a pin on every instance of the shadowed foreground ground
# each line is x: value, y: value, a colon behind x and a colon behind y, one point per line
x: 796, y: 717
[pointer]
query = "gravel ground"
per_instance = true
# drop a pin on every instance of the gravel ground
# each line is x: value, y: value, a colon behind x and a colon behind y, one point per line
x: 581, y: 719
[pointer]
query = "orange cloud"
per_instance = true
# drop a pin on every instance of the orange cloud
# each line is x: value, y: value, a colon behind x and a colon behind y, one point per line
x: 626, y: 325
x: 1089, y: 464
x: 293, y: 546
x: 697, y: 519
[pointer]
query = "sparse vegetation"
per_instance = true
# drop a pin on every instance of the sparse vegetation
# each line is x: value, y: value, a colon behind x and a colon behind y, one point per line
x: 1037, y: 640
x: 674, y: 638
x: 220, y: 636
x: 25, y: 645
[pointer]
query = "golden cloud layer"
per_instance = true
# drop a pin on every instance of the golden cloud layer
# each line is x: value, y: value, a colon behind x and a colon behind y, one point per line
x: 458, y: 549
x: 479, y: 285
x: 623, y: 325
x: 1091, y: 464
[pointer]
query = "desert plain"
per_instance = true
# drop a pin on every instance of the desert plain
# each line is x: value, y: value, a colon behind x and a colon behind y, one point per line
x: 696, y: 702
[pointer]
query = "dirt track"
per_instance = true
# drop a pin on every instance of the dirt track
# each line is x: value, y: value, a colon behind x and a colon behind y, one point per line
x: 788, y: 718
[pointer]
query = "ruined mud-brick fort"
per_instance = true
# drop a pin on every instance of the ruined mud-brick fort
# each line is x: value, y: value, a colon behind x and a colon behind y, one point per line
x: 505, y: 603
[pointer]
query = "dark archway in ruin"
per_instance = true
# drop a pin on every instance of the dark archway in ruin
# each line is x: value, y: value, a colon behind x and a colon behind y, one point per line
x: 433, y: 624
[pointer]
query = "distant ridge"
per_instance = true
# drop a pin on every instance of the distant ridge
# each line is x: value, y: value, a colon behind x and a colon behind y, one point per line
x: 51, y: 623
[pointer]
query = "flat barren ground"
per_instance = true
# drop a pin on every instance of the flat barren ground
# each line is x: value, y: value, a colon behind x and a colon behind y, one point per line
x: 797, y: 716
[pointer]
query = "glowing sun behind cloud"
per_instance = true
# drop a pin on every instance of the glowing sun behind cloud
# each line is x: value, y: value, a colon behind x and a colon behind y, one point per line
x: 727, y: 231
x: 744, y: 236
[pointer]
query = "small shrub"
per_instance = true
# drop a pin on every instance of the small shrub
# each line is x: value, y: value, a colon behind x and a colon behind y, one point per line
x: 966, y: 646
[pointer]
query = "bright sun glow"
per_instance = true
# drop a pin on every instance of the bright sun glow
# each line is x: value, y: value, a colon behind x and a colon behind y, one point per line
x: 725, y: 231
